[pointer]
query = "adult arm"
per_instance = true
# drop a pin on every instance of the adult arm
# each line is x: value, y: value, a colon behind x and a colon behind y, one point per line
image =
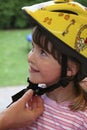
x: 21, y: 113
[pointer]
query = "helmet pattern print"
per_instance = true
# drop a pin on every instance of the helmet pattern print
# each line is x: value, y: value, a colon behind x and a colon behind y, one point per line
x: 65, y: 20
x: 81, y: 41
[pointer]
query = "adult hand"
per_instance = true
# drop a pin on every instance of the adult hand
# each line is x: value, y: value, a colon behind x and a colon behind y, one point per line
x: 22, y: 113
x: 83, y: 84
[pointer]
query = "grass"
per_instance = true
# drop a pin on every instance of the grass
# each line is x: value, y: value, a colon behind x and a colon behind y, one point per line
x: 13, y: 57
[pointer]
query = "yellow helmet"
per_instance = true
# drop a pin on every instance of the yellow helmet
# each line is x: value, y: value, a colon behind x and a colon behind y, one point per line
x: 65, y: 20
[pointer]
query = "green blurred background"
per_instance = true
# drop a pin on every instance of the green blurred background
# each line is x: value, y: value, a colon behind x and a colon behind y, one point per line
x: 14, y: 28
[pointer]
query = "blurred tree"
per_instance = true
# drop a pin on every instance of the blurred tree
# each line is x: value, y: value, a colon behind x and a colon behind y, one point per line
x: 83, y: 2
x: 11, y: 15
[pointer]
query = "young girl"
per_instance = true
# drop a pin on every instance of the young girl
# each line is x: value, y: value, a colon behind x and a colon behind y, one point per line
x: 59, y: 58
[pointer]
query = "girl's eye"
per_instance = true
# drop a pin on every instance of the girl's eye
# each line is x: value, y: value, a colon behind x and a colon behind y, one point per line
x: 43, y: 53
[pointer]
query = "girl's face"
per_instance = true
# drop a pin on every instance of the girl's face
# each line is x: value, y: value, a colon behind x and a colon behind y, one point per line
x: 43, y: 67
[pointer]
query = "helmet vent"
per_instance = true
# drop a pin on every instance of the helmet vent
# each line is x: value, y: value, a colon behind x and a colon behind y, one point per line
x: 65, y: 11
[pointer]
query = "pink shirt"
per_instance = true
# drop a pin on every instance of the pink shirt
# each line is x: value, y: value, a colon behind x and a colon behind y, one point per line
x: 58, y: 117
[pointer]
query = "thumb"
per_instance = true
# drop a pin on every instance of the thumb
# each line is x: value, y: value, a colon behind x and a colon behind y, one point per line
x: 27, y: 96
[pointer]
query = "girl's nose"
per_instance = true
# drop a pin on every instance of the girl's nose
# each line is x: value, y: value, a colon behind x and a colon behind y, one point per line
x: 31, y: 56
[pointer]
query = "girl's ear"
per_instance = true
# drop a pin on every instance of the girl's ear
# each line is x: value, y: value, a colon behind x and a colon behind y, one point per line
x: 72, y: 68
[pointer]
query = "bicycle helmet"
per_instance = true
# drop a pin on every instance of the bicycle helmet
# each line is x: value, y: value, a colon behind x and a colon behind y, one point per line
x: 65, y: 20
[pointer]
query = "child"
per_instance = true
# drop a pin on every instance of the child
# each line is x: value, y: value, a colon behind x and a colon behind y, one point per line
x: 59, y: 55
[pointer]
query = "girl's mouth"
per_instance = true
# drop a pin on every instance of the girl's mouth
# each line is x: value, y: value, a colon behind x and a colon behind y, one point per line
x: 33, y: 70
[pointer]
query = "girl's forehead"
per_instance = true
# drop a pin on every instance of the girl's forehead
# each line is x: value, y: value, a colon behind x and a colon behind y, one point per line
x: 42, y: 43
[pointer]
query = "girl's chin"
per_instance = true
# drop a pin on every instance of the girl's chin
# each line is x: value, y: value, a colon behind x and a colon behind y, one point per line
x: 34, y: 80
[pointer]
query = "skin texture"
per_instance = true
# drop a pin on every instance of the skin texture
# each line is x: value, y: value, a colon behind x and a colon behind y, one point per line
x: 19, y: 114
x: 45, y: 69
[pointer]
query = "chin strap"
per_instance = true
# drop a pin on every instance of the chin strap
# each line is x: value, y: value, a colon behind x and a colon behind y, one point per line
x: 40, y: 91
x: 64, y: 81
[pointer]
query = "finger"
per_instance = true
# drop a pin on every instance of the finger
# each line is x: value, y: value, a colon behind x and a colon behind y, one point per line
x: 36, y: 101
x: 38, y: 106
x: 27, y: 96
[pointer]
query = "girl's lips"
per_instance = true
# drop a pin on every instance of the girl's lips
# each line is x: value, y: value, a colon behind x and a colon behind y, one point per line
x: 32, y: 70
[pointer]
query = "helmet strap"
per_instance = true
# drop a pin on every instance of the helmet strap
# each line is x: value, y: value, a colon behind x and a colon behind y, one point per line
x: 64, y: 81
x: 64, y: 66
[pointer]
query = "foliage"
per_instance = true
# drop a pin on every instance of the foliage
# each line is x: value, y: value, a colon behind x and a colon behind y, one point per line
x: 11, y: 15
x: 83, y: 2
